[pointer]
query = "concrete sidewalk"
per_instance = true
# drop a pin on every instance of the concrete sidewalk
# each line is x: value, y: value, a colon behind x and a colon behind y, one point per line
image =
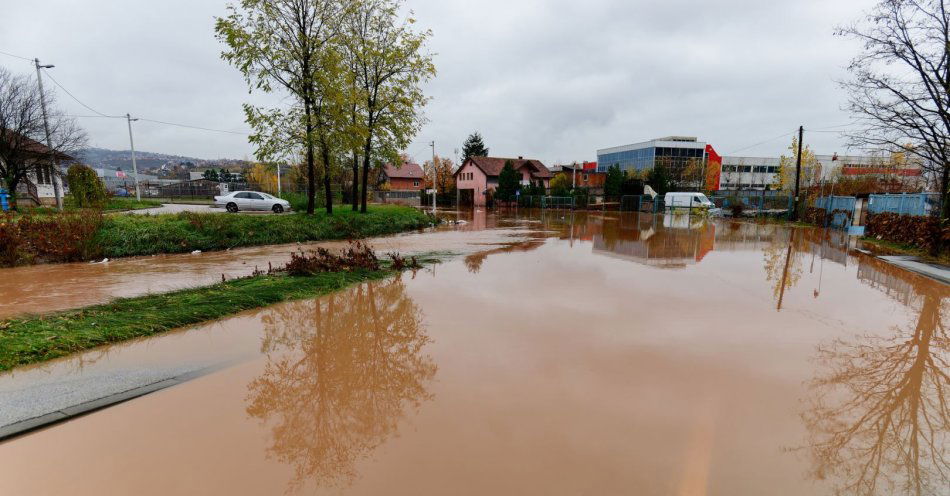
x: 50, y: 392
x: 932, y: 270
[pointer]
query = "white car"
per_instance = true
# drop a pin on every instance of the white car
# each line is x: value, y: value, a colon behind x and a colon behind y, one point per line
x: 251, y: 201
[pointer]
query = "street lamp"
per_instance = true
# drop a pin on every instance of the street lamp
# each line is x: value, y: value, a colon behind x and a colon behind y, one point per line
x: 57, y: 182
x: 135, y: 169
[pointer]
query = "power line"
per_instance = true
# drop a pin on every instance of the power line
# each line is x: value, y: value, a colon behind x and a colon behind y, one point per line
x: 761, y: 143
x: 194, y: 127
x: 16, y: 56
x: 100, y: 114
x: 78, y: 100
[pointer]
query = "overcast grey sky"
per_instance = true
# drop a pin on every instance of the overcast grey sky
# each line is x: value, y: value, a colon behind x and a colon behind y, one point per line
x: 549, y: 79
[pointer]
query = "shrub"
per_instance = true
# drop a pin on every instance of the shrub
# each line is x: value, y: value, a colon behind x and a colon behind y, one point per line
x: 85, y: 187
x: 929, y: 233
x: 357, y: 256
x: 736, y: 206
x: 49, y: 238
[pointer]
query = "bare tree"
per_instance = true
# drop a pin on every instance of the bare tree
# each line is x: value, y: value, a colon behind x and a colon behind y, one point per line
x: 22, y: 153
x: 900, y: 81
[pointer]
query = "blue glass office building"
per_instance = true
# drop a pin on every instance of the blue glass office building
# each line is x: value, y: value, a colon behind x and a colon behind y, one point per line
x: 673, y: 151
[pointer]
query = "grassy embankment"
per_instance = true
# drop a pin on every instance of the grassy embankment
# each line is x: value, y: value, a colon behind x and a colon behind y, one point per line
x: 88, y: 235
x: 35, y: 339
x: 122, y: 236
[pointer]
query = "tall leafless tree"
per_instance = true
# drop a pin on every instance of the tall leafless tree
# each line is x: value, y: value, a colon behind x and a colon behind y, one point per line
x: 900, y: 81
x: 22, y: 152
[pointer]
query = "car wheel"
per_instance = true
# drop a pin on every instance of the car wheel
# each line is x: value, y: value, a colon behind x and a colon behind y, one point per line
x: 278, y: 209
x: 232, y: 207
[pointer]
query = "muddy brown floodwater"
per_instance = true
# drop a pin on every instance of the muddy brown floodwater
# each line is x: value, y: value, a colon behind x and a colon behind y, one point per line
x: 49, y: 288
x: 620, y: 354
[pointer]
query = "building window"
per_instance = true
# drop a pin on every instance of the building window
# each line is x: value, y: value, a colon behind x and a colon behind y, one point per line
x: 415, y: 183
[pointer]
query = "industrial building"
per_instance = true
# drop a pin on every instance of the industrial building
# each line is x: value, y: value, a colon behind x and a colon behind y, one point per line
x: 674, y: 151
x: 677, y: 153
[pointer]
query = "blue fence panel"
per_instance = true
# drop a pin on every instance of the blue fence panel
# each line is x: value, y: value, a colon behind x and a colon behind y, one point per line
x: 918, y: 204
x: 841, y: 209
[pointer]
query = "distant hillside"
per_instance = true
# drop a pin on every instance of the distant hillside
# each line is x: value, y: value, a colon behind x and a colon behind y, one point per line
x: 122, y: 159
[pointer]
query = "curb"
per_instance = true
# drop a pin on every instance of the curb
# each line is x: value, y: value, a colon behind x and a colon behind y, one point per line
x: 22, y: 427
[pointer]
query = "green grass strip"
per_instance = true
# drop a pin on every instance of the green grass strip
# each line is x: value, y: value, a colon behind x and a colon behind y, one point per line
x: 131, y: 235
x: 35, y: 339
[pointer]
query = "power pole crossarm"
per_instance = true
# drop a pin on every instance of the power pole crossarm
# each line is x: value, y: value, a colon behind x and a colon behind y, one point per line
x: 53, y: 168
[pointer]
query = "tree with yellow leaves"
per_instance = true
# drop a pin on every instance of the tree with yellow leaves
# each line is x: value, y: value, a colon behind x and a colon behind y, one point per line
x: 263, y: 177
x: 811, y: 168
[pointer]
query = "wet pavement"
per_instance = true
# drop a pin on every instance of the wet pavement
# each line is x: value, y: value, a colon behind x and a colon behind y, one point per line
x: 595, y: 354
x: 174, y: 208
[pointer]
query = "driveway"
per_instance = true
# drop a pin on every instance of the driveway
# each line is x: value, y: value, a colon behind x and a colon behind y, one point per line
x: 174, y: 208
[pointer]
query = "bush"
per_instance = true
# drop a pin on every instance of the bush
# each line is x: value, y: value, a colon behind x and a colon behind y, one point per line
x: 736, y: 206
x: 929, y: 233
x: 85, y: 187
x: 49, y: 238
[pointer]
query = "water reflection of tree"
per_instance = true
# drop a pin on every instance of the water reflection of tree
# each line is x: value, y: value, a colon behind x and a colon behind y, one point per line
x: 341, y: 373
x: 474, y: 261
x: 878, y: 420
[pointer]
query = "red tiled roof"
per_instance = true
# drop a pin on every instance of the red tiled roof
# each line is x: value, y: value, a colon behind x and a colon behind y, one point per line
x: 492, y: 166
x: 408, y: 170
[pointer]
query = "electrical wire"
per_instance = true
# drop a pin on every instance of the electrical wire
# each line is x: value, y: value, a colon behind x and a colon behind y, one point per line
x: 16, y: 56
x: 78, y: 100
x: 761, y: 143
x: 194, y: 127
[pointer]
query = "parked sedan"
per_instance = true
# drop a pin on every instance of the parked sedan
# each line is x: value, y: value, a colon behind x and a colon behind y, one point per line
x: 251, y: 201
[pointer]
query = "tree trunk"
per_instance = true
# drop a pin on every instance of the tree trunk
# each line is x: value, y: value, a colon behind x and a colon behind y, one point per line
x: 311, y: 182
x: 367, y: 148
x: 12, y: 183
x: 356, y: 182
x: 944, y: 193
x: 326, y: 176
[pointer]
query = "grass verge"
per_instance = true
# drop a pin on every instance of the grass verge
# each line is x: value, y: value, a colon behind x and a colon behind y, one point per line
x: 35, y: 339
x: 891, y: 248
x: 131, y: 235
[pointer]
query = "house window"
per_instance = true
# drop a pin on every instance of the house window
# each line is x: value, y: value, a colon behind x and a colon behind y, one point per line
x: 415, y: 183
x: 585, y: 177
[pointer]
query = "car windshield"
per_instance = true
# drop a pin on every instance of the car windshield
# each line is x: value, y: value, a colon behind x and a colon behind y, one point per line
x: 269, y: 197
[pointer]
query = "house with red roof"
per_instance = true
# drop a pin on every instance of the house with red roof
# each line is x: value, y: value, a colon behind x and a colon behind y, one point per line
x: 407, y: 177
x: 477, y: 178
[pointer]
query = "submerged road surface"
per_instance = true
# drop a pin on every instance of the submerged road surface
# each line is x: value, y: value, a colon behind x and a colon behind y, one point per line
x: 621, y: 354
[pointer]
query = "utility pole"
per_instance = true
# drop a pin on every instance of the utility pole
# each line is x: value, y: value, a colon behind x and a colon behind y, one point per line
x: 53, y: 168
x: 135, y: 169
x: 574, y: 176
x: 798, y: 170
x: 435, y: 176
x: 278, y: 179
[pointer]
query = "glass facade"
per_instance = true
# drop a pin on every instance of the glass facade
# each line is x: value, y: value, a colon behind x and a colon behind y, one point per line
x: 646, y: 158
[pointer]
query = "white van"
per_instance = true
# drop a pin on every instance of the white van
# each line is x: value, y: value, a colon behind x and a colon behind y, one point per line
x: 688, y: 201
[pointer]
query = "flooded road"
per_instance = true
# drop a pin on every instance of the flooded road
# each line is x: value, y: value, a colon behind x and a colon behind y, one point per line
x: 617, y: 355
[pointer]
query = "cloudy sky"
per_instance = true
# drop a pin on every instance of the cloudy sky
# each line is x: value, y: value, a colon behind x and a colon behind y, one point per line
x: 549, y: 79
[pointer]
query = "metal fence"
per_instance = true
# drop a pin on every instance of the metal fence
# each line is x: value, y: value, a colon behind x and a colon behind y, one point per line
x: 917, y: 204
x: 557, y: 202
x: 773, y: 204
x: 839, y: 210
